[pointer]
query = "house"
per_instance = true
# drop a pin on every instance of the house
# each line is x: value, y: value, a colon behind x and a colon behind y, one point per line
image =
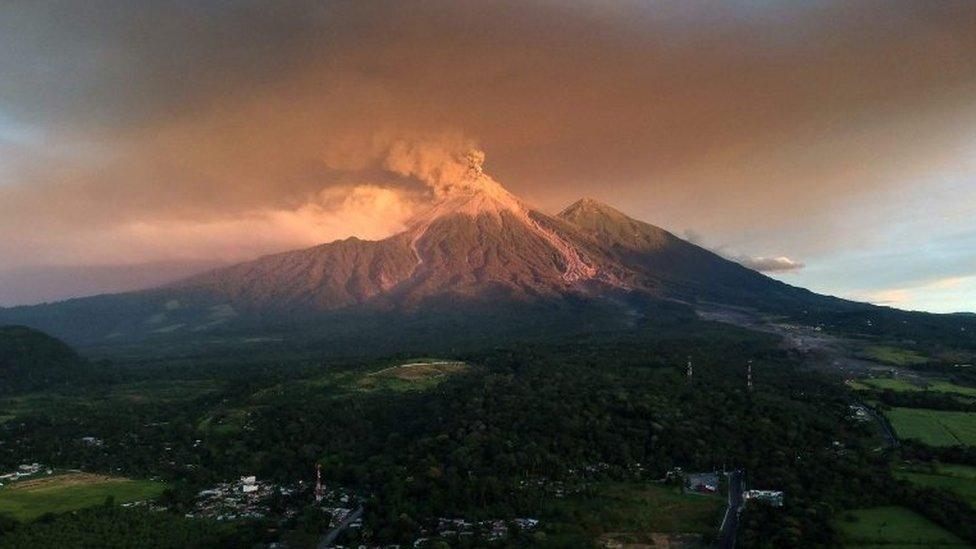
x: 705, y: 483
x: 770, y: 497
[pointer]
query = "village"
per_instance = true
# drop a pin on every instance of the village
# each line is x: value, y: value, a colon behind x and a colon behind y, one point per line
x: 248, y: 498
x: 24, y: 471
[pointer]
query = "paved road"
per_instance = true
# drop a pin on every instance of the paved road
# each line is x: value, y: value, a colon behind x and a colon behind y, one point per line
x: 330, y: 538
x: 890, y: 437
x: 730, y: 523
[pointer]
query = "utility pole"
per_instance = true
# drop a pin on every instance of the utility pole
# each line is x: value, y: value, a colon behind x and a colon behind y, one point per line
x: 319, y: 490
x: 749, y: 376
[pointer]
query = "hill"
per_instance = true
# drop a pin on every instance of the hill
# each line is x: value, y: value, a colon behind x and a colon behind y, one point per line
x: 30, y: 359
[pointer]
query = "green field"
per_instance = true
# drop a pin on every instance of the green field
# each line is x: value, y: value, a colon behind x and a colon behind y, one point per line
x: 892, y: 527
x: 631, y: 512
x: 883, y: 383
x: 29, y: 499
x: 934, y: 427
x: 959, y: 479
x: 946, y: 387
x: 410, y: 375
x: 894, y: 355
x: 897, y: 384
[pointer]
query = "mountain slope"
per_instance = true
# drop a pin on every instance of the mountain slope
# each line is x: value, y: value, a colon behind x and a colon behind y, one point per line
x: 660, y: 261
x: 328, y: 276
x: 477, y: 246
x: 475, y: 243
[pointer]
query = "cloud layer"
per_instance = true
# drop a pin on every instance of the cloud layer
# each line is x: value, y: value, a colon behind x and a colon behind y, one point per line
x: 779, y: 264
x: 156, y: 131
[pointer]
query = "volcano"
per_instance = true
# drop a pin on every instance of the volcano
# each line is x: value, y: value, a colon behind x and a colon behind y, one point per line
x: 477, y: 242
x: 477, y: 248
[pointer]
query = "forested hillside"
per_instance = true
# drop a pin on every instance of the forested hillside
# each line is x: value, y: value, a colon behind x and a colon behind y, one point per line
x: 30, y: 359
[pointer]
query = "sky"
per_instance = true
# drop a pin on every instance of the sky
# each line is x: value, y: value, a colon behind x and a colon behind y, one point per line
x: 830, y: 144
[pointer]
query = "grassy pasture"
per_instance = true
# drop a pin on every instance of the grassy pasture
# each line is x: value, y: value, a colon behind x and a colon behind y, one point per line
x: 959, y: 479
x: 883, y: 383
x: 946, y: 387
x: 632, y: 512
x: 898, y: 385
x: 413, y: 375
x: 934, y: 427
x: 893, y: 527
x: 29, y: 499
x: 894, y: 355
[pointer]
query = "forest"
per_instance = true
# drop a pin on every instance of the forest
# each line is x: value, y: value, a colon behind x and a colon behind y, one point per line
x: 488, y: 442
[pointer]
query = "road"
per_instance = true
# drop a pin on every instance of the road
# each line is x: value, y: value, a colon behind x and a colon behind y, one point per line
x: 330, y: 538
x: 890, y: 437
x: 730, y: 522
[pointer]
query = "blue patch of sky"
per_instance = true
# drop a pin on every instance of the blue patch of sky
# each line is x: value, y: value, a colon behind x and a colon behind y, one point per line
x: 924, y: 236
x: 19, y: 133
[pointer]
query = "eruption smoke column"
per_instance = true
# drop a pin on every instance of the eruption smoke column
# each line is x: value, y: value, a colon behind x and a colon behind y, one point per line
x: 459, y: 182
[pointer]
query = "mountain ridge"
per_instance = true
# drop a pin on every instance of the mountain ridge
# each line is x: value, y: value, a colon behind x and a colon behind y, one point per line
x: 477, y: 246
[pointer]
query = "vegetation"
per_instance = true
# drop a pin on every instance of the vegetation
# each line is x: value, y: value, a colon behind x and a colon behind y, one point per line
x: 893, y: 526
x: 29, y: 499
x: 30, y: 359
x: 919, y: 385
x: 886, y: 383
x: 411, y: 376
x: 574, y: 434
x: 631, y: 512
x: 946, y: 387
x: 224, y: 422
x: 927, y: 400
x: 959, y: 479
x: 934, y: 427
x: 112, y: 526
x: 894, y: 355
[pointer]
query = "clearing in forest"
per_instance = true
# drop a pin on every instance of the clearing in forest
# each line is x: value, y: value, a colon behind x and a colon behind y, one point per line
x: 412, y: 375
x: 29, y: 499
x: 633, y: 514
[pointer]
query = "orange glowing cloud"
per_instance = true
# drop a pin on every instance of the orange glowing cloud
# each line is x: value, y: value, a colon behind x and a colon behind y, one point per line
x: 248, y: 129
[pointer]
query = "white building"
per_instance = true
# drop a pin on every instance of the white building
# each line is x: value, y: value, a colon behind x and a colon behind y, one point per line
x: 772, y: 497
